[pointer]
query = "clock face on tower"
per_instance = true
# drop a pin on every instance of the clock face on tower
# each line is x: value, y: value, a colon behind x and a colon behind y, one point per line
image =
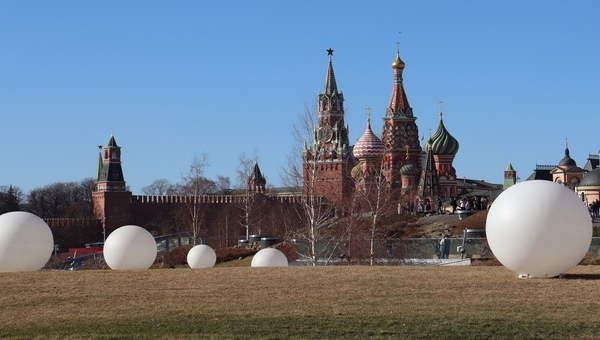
x: 324, y: 134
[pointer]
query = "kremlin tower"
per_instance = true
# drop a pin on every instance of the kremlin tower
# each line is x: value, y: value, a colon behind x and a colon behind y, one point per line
x: 327, y: 161
x: 111, y: 199
x: 510, y: 176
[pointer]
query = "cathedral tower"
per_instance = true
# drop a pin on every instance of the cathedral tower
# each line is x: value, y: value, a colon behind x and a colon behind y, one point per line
x: 369, y: 150
x: 399, y: 129
x: 444, y: 148
x: 429, y: 183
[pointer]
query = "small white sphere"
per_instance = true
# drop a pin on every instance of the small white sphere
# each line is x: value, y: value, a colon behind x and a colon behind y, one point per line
x: 201, y: 256
x: 269, y: 257
x: 26, y: 242
x: 539, y: 229
x: 130, y: 247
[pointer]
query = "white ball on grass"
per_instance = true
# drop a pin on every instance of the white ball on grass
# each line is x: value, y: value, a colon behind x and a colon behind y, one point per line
x: 201, y: 256
x: 539, y: 229
x: 130, y: 247
x: 269, y: 257
x: 26, y: 242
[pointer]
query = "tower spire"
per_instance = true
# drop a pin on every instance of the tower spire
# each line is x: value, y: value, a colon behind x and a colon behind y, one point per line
x: 400, y: 130
x: 330, y: 146
x: 99, y: 166
x: 399, y: 103
x: 110, y: 177
x: 330, y: 84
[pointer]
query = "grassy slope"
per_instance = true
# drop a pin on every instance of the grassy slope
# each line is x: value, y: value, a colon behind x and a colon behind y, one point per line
x: 300, y: 302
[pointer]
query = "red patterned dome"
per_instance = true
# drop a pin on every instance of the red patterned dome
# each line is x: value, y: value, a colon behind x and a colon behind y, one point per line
x: 369, y: 145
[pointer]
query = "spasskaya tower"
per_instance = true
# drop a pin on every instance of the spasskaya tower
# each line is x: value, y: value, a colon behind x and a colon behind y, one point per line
x: 327, y: 159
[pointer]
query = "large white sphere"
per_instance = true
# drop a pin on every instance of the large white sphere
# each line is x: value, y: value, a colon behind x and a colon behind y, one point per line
x: 539, y: 229
x: 269, y: 257
x: 26, y: 242
x: 201, y: 256
x: 130, y: 247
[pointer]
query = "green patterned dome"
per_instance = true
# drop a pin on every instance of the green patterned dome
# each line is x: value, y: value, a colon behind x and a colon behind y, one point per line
x: 355, y: 171
x: 442, y: 142
x: 409, y: 169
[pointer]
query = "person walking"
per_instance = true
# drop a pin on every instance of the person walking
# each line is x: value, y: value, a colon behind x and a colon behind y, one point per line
x: 444, y: 247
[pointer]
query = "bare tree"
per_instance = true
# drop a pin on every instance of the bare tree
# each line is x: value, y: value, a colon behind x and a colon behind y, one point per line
x: 157, y: 187
x: 374, y: 196
x: 302, y: 133
x: 194, y: 185
x: 248, y: 201
x: 62, y: 200
x: 316, y: 234
x: 223, y: 184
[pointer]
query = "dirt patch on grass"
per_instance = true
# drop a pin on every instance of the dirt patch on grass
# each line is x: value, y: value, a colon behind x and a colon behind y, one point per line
x: 178, y: 256
x: 228, y: 254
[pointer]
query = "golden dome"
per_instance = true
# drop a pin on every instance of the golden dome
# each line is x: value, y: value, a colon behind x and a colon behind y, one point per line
x: 398, y: 64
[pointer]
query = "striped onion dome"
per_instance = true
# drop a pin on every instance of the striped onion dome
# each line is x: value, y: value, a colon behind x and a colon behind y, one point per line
x: 409, y: 169
x: 442, y: 142
x: 369, y: 145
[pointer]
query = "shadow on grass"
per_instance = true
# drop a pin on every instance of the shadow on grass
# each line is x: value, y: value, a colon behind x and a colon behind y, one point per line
x: 581, y: 277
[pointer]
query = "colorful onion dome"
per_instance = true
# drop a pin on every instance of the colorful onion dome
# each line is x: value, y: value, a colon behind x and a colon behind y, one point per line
x: 442, y: 142
x: 369, y: 145
x: 398, y: 64
x: 409, y: 169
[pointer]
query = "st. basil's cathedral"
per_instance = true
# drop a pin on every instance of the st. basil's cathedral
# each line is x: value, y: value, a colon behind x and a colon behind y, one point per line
x: 333, y: 169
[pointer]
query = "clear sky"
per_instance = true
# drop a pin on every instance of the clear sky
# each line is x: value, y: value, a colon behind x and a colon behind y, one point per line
x: 174, y: 79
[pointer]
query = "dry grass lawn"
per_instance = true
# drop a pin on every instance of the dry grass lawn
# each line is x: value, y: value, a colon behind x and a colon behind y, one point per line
x: 300, y: 302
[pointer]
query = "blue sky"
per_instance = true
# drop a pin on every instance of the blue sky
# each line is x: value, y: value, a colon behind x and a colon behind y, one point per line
x: 174, y: 79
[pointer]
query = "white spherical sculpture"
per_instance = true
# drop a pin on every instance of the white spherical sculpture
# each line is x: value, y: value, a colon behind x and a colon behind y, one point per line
x: 130, y: 247
x: 539, y: 229
x: 201, y: 256
x: 26, y: 242
x: 269, y: 257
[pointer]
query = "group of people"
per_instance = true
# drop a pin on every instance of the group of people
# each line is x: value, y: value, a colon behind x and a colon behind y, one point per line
x: 474, y: 203
x: 426, y: 206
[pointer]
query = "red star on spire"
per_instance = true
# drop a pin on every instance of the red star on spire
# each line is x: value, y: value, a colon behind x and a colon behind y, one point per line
x: 330, y: 51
